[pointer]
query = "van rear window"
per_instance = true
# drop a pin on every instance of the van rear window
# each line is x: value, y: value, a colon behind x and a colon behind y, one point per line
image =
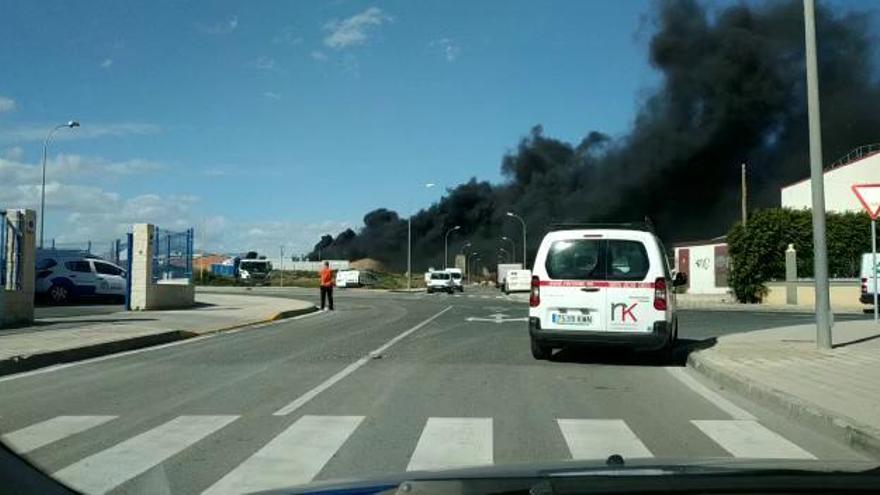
x: 576, y: 259
x: 597, y: 259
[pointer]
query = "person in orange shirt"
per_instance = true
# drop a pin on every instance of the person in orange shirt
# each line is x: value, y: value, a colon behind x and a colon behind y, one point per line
x: 326, y: 285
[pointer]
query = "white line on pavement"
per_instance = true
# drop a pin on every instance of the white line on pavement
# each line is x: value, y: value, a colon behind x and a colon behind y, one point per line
x: 453, y: 442
x: 596, y: 438
x: 109, y: 468
x: 725, y: 405
x: 50, y: 431
x: 294, y: 457
x: 750, y: 439
x: 351, y: 368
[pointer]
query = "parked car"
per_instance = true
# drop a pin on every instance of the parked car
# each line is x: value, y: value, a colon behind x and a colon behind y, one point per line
x: 602, y: 286
x: 867, y: 279
x: 64, y: 276
x: 440, y: 282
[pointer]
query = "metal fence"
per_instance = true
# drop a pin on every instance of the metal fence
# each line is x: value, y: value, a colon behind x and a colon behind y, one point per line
x: 172, y: 255
x: 10, y: 250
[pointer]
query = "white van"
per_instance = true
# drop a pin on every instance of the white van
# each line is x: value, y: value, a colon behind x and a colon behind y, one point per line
x: 440, y: 281
x: 518, y: 281
x: 455, y: 273
x: 602, y: 286
x: 867, y: 279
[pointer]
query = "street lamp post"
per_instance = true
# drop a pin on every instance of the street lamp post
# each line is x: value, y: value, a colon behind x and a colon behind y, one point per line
x: 512, y: 248
x: 71, y: 124
x: 474, y: 259
x: 523, y: 222
x: 446, y: 246
x: 409, y: 246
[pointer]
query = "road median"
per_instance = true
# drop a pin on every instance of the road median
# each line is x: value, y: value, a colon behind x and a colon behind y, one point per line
x: 834, y: 391
x: 60, y: 340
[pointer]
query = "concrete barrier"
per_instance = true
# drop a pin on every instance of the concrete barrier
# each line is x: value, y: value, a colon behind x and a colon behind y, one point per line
x: 844, y: 294
x: 145, y: 293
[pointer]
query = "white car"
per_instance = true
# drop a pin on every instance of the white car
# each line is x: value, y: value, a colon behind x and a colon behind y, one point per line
x: 64, y: 276
x: 440, y: 282
x: 455, y: 273
x: 867, y: 279
x: 602, y: 286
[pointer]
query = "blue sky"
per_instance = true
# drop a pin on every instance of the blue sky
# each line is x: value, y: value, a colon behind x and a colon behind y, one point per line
x: 267, y: 123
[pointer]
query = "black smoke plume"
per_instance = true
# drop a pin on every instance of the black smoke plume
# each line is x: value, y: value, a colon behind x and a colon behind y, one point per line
x: 733, y: 90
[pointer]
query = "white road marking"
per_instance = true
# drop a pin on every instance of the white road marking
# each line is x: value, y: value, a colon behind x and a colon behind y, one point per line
x: 750, y: 439
x: 710, y: 395
x: 453, y: 442
x: 109, y: 468
x: 293, y: 457
x: 50, y: 431
x: 351, y: 368
x: 600, y: 438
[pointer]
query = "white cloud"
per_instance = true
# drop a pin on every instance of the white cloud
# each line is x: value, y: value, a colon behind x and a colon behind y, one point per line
x: 6, y: 104
x: 271, y: 95
x: 318, y: 55
x: 354, y: 30
x: 106, y: 63
x: 230, y: 236
x: 73, y: 168
x: 287, y: 36
x: 221, y: 27
x: 448, y: 48
x: 86, y: 131
x: 13, y: 153
x: 263, y: 63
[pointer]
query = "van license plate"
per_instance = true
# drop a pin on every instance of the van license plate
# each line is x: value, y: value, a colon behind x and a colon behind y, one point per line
x: 566, y: 319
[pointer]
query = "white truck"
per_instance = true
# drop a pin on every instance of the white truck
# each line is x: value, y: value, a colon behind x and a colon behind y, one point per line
x: 518, y: 281
x: 503, y: 268
x: 254, y: 272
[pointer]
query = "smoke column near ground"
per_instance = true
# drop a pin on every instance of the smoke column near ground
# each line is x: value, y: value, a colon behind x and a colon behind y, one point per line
x: 733, y: 90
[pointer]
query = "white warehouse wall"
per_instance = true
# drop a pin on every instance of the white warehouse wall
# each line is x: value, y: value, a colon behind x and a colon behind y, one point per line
x: 838, y: 182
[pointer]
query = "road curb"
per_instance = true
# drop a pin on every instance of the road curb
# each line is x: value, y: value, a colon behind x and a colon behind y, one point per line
x: 19, y: 364
x: 859, y: 436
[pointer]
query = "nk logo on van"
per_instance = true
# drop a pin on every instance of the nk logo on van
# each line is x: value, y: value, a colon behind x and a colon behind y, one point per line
x: 625, y: 311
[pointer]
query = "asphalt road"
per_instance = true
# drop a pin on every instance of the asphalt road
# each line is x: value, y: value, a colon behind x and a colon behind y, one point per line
x: 384, y: 384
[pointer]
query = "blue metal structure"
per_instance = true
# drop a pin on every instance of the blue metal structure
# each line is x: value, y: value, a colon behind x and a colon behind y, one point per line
x: 173, y: 255
x: 10, y: 251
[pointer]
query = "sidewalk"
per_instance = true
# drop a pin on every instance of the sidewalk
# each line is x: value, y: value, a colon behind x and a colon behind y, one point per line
x: 727, y: 302
x: 836, y: 391
x: 64, y: 339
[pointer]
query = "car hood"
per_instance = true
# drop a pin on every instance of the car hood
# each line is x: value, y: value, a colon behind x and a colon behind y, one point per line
x: 513, y: 477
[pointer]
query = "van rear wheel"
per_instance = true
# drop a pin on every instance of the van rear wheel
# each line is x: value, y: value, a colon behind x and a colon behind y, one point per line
x: 540, y: 351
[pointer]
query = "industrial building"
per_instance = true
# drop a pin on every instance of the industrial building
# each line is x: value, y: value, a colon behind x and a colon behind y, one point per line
x: 860, y: 166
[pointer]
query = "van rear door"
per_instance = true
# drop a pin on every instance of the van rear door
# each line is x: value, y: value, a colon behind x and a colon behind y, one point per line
x: 630, y: 295
x: 574, y: 295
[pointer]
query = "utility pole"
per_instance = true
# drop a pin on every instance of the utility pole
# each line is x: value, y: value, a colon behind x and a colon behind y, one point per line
x: 820, y: 249
x: 744, y: 195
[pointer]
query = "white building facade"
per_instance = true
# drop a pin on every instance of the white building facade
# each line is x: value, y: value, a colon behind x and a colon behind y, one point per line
x: 838, y: 184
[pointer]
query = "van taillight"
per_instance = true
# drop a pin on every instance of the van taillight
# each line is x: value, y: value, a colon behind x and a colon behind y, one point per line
x: 660, y: 294
x: 864, y: 286
x: 535, y: 294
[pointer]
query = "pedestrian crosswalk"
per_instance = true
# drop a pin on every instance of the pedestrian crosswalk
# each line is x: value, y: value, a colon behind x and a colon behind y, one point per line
x: 300, y: 450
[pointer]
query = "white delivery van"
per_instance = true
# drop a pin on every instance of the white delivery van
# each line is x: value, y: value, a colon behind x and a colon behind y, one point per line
x: 347, y: 278
x: 867, y: 279
x: 518, y: 281
x: 602, y: 286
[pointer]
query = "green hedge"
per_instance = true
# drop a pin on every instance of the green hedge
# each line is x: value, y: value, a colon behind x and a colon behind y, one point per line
x: 757, y: 251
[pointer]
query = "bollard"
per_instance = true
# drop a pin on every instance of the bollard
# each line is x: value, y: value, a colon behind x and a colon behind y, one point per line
x: 791, y: 275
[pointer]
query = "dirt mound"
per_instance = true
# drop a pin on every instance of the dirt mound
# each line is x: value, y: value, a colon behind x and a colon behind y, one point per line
x: 367, y: 264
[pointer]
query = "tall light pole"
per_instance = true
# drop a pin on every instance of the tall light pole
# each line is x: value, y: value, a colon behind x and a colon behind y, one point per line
x: 820, y: 249
x: 446, y: 246
x: 409, y: 246
x: 282, y: 265
x: 523, y: 222
x: 467, y: 264
x: 71, y: 124
x: 474, y: 259
x: 512, y: 248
